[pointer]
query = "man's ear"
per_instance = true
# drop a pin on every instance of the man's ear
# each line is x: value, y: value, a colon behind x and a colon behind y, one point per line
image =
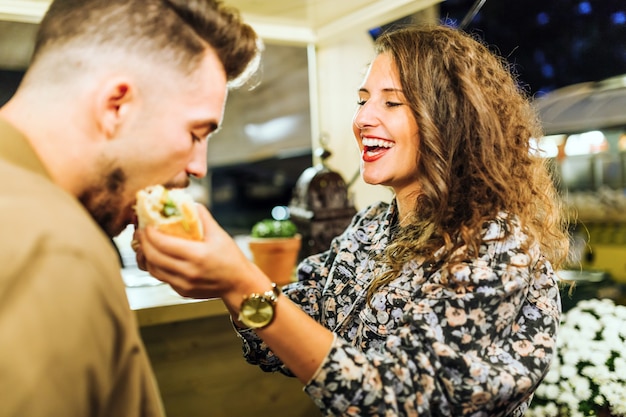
x: 112, y: 106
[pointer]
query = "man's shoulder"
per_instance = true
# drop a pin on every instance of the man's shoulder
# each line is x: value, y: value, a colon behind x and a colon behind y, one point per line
x: 38, y: 216
x: 33, y: 200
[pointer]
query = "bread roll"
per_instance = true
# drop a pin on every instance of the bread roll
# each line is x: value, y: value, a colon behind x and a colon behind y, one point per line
x: 172, y: 211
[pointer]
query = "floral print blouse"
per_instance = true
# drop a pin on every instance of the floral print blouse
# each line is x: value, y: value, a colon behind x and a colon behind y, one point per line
x: 423, y: 347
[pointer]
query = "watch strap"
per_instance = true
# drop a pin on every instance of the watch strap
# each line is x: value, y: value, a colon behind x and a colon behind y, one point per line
x: 272, y: 294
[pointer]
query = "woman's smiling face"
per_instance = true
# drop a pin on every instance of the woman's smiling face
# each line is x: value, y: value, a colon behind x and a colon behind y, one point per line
x: 385, y: 129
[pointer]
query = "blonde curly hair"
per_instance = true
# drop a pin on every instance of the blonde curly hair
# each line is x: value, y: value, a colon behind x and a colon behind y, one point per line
x: 475, y: 158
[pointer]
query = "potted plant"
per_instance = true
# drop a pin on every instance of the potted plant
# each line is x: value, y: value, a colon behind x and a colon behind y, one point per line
x: 274, y: 245
x: 588, y: 374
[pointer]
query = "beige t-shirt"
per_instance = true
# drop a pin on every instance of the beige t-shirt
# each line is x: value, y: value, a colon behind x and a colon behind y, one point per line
x: 69, y: 343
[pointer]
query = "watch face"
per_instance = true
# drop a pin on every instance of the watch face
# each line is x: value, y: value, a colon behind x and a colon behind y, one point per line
x: 257, y: 312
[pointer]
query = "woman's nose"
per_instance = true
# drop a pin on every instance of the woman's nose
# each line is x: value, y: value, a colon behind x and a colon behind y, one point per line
x: 364, y: 117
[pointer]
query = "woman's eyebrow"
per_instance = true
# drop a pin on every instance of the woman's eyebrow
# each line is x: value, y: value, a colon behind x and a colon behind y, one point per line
x: 386, y: 90
x: 392, y: 90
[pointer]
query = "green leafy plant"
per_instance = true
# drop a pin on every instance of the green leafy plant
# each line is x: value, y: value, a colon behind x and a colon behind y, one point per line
x: 271, y: 228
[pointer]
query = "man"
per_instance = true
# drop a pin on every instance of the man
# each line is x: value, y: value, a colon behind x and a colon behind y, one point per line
x: 120, y: 94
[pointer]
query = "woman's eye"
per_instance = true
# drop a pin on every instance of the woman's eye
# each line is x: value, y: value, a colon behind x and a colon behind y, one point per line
x: 360, y: 102
x: 392, y: 104
x: 195, y: 137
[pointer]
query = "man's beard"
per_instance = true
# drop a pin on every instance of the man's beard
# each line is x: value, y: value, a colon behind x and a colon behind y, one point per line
x: 105, y: 202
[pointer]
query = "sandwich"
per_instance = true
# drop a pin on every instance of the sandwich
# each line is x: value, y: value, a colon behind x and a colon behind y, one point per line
x: 171, y: 211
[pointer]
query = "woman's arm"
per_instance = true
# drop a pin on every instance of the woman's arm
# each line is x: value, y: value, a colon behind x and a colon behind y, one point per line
x: 216, y: 267
x: 306, y: 293
x: 450, y: 354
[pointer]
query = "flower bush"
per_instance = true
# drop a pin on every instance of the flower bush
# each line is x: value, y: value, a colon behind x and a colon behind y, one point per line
x: 588, y: 374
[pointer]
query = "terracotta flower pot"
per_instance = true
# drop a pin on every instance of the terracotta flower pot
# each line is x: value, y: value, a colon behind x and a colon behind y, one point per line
x: 276, y: 256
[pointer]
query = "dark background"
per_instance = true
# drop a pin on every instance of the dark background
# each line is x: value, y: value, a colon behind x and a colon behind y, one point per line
x: 551, y: 43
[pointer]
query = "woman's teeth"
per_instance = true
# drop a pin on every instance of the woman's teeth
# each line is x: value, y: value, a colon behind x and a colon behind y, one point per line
x: 379, y: 143
x: 373, y: 149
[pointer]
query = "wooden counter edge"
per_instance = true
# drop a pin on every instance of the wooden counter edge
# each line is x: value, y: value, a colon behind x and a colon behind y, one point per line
x: 155, y: 305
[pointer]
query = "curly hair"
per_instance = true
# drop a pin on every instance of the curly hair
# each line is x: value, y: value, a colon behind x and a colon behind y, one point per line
x: 475, y: 158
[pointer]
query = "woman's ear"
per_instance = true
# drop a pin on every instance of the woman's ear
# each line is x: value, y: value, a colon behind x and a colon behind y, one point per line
x: 113, y: 103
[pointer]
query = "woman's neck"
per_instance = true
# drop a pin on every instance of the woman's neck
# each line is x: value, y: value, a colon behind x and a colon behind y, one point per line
x: 406, y: 206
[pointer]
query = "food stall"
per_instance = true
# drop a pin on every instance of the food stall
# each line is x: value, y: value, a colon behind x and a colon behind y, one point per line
x: 585, y: 128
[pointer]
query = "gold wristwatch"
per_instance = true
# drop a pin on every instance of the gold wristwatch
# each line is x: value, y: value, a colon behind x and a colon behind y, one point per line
x: 257, y: 310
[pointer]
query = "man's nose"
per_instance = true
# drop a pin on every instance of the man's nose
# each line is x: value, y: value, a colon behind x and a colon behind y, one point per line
x: 197, y: 166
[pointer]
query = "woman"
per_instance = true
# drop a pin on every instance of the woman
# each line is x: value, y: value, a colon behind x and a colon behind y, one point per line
x: 444, y: 302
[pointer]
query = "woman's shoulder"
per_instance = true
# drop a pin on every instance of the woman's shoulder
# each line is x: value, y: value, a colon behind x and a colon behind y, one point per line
x: 505, y: 239
x: 502, y: 226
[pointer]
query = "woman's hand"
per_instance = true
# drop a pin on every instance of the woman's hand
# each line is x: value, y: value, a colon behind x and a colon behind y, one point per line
x: 213, y: 267
x: 216, y: 267
x: 134, y: 244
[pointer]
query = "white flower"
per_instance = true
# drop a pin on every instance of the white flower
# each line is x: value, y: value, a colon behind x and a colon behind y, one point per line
x: 619, y: 409
x: 598, y: 355
x: 620, y: 313
x: 584, y: 321
x: 551, y: 410
x: 620, y: 368
x: 589, y: 367
x: 569, y: 399
x: 612, y: 392
x: 571, y: 356
x: 599, y: 374
x: 600, y: 307
x: 568, y: 371
x: 553, y: 375
x: 582, y: 387
x: 552, y: 392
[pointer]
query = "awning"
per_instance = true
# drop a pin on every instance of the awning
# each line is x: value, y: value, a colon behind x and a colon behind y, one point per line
x: 585, y: 106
